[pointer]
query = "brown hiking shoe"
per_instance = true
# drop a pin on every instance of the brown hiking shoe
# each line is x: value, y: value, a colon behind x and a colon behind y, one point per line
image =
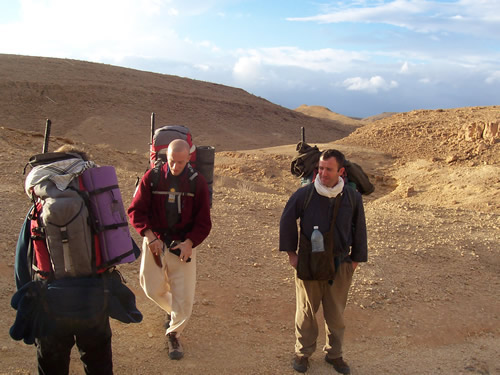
x: 175, y: 350
x: 300, y: 364
x: 339, y: 365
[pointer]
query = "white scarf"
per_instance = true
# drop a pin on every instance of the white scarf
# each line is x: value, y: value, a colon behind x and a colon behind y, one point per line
x: 326, y: 191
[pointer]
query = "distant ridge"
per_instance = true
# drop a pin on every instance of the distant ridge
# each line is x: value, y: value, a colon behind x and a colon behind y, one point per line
x: 105, y: 104
x: 325, y: 113
x: 380, y: 116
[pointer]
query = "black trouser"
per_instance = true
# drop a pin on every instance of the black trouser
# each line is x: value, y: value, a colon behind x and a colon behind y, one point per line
x: 93, y: 340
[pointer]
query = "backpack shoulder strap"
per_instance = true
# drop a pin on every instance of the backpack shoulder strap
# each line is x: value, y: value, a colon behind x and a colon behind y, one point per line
x: 193, y: 178
x: 351, y: 195
x: 156, y: 175
x: 307, y: 200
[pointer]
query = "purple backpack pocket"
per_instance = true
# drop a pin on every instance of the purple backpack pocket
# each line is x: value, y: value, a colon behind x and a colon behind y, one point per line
x: 106, y: 206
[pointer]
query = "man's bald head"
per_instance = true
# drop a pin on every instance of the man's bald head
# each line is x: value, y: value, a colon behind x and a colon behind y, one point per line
x: 178, y: 145
x: 177, y: 156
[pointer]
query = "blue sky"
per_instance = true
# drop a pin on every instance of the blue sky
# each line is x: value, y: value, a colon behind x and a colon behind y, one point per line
x: 357, y: 58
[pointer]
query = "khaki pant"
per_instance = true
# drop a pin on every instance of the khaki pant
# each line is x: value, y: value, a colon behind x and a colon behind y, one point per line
x: 171, y: 287
x: 309, y: 295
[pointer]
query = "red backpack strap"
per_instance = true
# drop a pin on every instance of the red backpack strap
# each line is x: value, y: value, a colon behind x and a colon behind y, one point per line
x: 38, y: 252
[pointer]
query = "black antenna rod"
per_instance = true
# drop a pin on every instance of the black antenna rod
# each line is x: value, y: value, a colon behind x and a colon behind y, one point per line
x: 152, y: 127
x: 46, y: 137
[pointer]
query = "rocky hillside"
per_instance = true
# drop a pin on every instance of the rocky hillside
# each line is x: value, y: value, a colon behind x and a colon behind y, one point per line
x: 97, y: 103
x: 462, y: 135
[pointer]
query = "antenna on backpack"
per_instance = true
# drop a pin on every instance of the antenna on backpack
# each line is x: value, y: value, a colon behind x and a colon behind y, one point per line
x: 46, y: 136
x: 152, y: 127
x: 303, y: 134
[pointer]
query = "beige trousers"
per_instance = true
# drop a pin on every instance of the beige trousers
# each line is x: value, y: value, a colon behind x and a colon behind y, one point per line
x: 171, y: 287
x: 309, y: 295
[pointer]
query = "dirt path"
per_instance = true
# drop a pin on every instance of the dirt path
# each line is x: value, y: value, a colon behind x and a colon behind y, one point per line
x: 425, y: 303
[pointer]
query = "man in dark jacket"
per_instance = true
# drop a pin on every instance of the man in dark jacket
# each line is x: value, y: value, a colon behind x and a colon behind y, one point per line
x: 323, y: 278
x: 172, y: 213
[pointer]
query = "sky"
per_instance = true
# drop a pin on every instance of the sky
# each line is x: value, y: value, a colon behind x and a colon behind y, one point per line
x: 357, y: 58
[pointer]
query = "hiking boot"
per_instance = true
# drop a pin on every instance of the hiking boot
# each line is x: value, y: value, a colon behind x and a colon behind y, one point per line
x: 175, y: 350
x: 300, y: 364
x: 339, y: 365
x: 168, y: 318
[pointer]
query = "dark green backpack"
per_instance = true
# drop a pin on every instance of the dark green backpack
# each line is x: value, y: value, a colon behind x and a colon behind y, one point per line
x: 358, y: 177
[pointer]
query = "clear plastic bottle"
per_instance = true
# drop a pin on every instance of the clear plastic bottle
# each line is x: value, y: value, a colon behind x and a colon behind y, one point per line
x: 317, y: 243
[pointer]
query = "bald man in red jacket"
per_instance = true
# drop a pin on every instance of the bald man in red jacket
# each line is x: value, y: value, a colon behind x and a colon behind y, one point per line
x: 172, y: 213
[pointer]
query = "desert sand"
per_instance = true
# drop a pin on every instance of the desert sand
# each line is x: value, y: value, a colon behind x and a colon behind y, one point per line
x: 426, y: 302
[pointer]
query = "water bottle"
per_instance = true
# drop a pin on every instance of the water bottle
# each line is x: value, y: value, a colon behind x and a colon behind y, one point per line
x: 317, y: 243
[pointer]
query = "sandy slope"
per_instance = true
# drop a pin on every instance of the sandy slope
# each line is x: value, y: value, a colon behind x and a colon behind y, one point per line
x: 425, y: 303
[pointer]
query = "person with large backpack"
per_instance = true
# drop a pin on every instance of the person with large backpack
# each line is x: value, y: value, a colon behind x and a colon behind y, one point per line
x: 331, y: 242
x: 171, y: 210
x: 67, y: 290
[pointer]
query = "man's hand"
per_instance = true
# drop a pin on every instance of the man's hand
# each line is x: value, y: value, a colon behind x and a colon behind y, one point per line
x: 155, y: 245
x: 354, y: 265
x: 186, y: 248
x: 293, y: 258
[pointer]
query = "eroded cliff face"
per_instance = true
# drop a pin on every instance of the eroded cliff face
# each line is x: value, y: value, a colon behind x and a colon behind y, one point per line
x: 457, y: 135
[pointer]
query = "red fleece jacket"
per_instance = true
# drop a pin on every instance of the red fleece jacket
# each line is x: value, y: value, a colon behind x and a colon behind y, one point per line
x: 147, y: 210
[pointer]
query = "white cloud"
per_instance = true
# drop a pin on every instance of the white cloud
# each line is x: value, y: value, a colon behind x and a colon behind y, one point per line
x: 91, y: 30
x: 248, y: 69
x: 173, y: 12
x: 372, y: 85
x: 207, y: 44
x: 404, y: 68
x: 323, y: 60
x: 464, y: 16
x: 202, y: 67
x: 493, y: 78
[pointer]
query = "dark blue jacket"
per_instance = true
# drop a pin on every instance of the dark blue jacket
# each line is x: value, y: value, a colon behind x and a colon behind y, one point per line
x: 350, y: 227
x: 22, y: 268
x: 40, y: 305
